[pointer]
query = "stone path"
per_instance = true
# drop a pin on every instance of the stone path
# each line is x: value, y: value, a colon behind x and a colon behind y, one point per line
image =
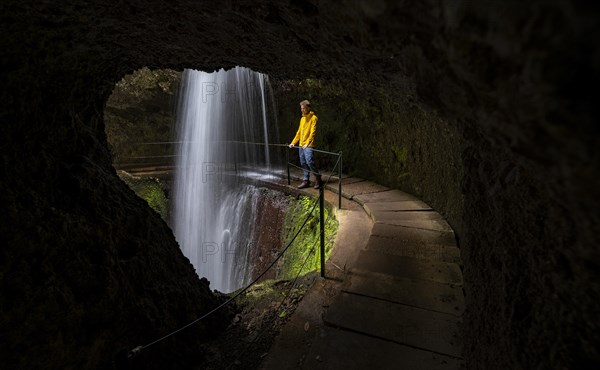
x: 393, y: 296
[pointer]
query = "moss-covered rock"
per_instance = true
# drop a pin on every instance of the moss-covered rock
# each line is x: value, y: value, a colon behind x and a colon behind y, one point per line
x: 304, y: 253
x: 150, y: 189
x: 141, y: 113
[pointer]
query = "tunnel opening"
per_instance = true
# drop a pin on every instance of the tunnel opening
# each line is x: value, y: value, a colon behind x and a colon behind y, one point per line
x: 141, y: 118
x: 495, y: 79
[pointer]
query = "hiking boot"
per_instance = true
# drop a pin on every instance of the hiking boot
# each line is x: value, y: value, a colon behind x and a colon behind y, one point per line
x: 318, y: 183
x: 304, y: 184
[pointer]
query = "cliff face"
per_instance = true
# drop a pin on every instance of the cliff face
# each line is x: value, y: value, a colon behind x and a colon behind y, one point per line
x: 495, y: 126
x: 141, y: 110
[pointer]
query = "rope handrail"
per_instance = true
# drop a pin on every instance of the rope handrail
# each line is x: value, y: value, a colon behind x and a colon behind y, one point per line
x: 192, y: 142
x: 338, y: 154
x: 136, y: 351
x: 292, y: 285
x: 153, y: 156
x: 229, y: 141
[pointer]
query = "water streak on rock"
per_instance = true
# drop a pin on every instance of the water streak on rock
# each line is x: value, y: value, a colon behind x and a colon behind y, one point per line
x: 221, y: 117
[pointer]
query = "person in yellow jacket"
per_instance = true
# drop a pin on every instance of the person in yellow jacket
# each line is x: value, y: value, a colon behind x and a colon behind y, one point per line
x: 305, y: 137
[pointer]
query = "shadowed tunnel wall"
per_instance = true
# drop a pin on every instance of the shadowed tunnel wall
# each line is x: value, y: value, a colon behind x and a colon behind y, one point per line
x: 492, y: 103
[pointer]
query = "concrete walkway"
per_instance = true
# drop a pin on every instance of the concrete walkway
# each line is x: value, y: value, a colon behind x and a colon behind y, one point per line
x: 392, y: 298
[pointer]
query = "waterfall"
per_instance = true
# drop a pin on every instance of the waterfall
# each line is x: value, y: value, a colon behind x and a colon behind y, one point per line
x: 221, y: 116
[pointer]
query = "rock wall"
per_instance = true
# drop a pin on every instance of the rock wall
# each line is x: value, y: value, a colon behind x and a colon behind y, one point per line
x: 383, y: 136
x: 504, y: 93
x: 139, y: 115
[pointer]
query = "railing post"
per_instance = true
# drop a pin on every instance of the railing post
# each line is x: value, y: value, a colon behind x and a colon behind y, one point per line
x: 322, y: 227
x: 340, y: 183
x: 287, y: 163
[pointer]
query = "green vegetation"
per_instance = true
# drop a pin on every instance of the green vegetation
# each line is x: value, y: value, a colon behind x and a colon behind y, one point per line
x: 396, y: 168
x: 141, y: 110
x: 270, y: 293
x: 399, y: 153
x: 306, y: 246
x: 280, y: 296
x: 151, y: 189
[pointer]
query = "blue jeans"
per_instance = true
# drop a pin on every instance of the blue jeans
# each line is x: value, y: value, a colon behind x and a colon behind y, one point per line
x: 307, y: 163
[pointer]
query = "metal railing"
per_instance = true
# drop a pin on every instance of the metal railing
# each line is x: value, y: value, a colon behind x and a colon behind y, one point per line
x: 287, y: 158
x: 338, y: 164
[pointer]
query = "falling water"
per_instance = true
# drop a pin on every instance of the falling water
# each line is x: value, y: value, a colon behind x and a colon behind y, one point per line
x: 220, y: 118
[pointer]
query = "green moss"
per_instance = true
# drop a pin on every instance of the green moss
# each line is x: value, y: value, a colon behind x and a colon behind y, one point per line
x: 268, y: 291
x: 284, y: 292
x: 307, y: 244
x: 400, y: 153
x: 151, y: 189
x: 277, y: 296
x: 140, y: 110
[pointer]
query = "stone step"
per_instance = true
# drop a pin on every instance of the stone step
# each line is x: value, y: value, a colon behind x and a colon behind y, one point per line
x: 415, y: 327
x: 428, y: 252
x: 410, y: 235
x: 433, y: 224
x: 357, y: 188
x: 407, y: 267
x: 334, y: 175
x: 437, y: 246
x: 391, y: 217
x: 404, y: 205
x: 427, y: 295
x: 384, y: 196
x: 341, y: 349
x: 345, y: 180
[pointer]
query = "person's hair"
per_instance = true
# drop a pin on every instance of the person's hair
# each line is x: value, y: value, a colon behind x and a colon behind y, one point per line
x: 305, y: 102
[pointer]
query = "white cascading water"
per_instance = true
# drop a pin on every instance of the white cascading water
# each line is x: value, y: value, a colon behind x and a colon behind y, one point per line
x: 220, y: 118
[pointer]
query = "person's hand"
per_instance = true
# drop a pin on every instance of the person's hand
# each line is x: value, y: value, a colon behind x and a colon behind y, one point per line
x: 304, y: 147
x: 291, y: 146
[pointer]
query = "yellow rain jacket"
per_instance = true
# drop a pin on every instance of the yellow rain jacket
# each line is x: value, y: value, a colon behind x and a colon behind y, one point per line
x: 307, y: 130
